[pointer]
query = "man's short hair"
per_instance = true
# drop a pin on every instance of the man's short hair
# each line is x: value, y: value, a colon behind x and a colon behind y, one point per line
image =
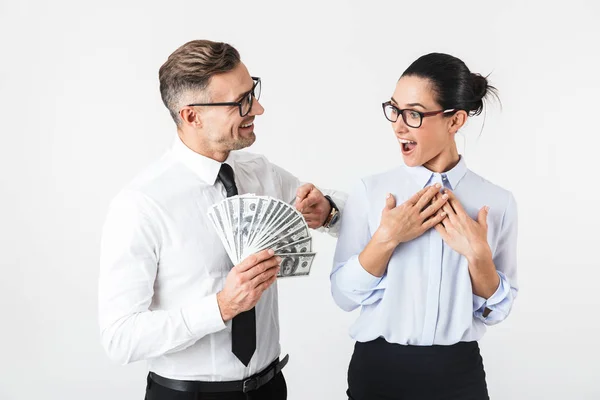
x: 189, y: 68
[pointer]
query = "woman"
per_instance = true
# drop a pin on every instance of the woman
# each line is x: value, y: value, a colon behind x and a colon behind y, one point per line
x: 438, y: 264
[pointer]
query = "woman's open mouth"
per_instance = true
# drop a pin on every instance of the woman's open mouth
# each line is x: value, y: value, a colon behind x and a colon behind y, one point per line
x: 408, y: 146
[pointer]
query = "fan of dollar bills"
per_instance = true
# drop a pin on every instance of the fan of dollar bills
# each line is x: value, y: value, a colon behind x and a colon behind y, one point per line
x: 247, y: 224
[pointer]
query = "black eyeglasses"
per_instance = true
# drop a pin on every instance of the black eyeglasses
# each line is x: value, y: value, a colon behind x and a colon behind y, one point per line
x: 245, y: 105
x: 412, y: 118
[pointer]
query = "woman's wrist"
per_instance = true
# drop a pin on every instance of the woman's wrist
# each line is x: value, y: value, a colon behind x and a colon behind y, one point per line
x: 481, y: 256
x: 484, y: 276
x: 385, y: 241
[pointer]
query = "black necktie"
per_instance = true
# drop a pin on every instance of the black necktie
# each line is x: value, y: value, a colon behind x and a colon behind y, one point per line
x: 243, y: 329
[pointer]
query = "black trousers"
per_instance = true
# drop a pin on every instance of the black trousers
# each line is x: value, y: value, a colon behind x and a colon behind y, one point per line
x: 275, y: 389
x: 384, y: 371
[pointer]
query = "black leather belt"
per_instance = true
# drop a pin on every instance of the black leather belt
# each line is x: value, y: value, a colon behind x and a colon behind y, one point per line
x: 245, y: 385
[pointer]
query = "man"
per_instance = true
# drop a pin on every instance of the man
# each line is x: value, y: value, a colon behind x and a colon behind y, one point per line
x: 168, y: 292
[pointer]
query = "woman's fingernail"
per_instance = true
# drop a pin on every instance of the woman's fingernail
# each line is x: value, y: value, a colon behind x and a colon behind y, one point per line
x: 487, y: 208
x: 445, y: 196
x: 278, y: 260
x: 271, y: 252
x: 438, y: 185
x: 387, y: 196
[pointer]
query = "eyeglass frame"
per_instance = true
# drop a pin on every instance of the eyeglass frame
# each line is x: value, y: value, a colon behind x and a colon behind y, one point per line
x: 235, y: 103
x: 421, y: 114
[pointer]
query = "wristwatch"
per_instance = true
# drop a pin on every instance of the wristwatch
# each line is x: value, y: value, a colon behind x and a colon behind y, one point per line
x: 333, y: 216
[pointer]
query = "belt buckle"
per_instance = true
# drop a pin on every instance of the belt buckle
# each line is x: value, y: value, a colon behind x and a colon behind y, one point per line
x: 249, y: 384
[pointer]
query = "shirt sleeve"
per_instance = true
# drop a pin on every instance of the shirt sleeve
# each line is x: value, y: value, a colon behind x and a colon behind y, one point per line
x: 505, y: 260
x: 351, y: 285
x: 289, y: 185
x: 130, y: 250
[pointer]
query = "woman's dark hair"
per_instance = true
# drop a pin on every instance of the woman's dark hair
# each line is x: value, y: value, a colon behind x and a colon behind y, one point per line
x: 454, y: 84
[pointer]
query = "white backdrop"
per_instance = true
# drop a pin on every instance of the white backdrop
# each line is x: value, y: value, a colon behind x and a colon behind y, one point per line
x: 80, y: 115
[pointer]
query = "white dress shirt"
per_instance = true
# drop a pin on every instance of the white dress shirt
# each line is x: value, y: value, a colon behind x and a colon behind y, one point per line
x: 162, y: 265
x: 425, y: 296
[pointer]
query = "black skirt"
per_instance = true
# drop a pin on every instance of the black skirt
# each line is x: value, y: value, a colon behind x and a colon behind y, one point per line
x: 380, y: 370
